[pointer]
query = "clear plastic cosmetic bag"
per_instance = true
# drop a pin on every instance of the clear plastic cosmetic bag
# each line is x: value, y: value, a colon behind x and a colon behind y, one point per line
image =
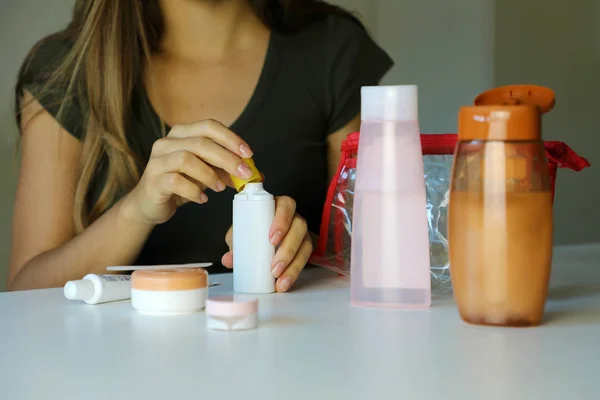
x: 333, y: 250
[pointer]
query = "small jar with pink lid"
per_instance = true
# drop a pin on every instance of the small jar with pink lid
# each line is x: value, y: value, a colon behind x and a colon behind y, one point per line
x: 229, y: 313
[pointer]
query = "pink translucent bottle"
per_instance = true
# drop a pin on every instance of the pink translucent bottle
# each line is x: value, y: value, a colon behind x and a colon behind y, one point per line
x: 390, y: 239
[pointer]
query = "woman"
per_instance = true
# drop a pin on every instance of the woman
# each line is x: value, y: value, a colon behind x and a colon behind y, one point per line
x: 134, y: 116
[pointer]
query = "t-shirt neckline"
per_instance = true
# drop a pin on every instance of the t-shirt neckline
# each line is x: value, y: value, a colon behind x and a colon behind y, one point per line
x: 259, y: 95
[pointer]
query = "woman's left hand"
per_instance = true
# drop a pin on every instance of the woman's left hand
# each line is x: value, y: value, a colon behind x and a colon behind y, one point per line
x: 288, y: 231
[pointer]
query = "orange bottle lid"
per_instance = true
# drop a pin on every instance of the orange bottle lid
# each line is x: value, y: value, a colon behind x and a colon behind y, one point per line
x: 539, y: 96
x: 255, y: 178
x: 500, y: 123
x: 169, y: 280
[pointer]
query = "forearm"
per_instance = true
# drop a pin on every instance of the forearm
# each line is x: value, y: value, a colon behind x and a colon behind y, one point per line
x: 113, y: 239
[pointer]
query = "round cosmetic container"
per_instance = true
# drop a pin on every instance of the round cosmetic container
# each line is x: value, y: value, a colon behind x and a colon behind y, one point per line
x: 230, y: 314
x: 169, y: 292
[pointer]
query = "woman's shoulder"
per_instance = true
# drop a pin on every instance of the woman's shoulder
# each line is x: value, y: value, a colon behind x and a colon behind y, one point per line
x: 327, y: 31
x: 38, y: 75
x: 44, y: 58
x: 336, y: 53
x: 338, y: 41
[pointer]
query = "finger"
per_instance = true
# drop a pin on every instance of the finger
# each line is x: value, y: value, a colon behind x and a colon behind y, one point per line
x: 176, y: 184
x: 285, y: 281
x: 187, y: 163
x: 225, y: 177
x: 229, y: 238
x: 227, y: 260
x: 285, y: 210
x: 215, y: 131
x: 180, y: 201
x: 205, y: 149
x: 201, y: 185
x: 289, y: 246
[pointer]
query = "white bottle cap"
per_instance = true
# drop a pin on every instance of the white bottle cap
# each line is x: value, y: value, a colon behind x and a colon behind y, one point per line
x: 389, y: 103
x: 253, y: 191
x: 254, y: 187
x: 79, y: 290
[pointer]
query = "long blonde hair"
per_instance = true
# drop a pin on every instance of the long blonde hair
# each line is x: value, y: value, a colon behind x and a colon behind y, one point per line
x: 110, y: 42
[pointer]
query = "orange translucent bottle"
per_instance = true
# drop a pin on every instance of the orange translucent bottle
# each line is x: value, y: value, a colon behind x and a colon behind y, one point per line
x: 500, y: 216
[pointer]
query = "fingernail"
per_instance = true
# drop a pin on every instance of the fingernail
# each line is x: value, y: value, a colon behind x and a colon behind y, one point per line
x: 203, y: 198
x: 220, y: 186
x: 244, y: 171
x: 245, y: 151
x: 278, y: 269
x: 285, y: 284
x: 275, y: 237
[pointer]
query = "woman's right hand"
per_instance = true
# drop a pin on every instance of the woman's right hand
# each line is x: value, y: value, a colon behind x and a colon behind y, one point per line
x: 190, y: 159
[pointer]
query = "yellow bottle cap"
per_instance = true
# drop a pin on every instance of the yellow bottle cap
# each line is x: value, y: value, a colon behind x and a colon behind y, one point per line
x: 255, y: 178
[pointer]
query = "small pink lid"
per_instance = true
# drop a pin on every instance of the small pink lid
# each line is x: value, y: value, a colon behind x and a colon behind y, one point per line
x: 228, y: 306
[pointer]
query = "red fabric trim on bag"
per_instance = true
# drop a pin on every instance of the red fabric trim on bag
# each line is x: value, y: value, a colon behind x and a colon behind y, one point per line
x: 564, y: 156
x: 353, y: 137
x: 438, y: 144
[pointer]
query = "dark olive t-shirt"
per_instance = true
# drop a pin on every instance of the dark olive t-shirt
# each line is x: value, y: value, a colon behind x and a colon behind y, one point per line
x: 309, y: 87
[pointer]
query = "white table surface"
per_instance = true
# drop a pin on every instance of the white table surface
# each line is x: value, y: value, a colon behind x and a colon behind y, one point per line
x: 311, y: 345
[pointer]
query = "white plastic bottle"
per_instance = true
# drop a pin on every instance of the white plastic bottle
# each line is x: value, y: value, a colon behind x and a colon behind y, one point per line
x: 96, y: 289
x: 253, y: 212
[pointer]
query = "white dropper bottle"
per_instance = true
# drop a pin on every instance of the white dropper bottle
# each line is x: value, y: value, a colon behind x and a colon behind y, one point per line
x: 96, y: 289
x: 253, y: 212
